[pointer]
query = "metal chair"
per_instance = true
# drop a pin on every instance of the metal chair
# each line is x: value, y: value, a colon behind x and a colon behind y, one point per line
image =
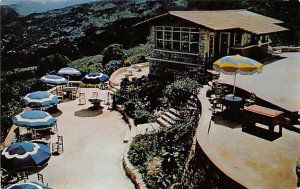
x: 95, y: 95
x: 40, y: 178
x: 82, y: 98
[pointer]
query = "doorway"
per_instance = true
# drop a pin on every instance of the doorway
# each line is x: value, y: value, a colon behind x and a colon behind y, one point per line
x: 224, y: 43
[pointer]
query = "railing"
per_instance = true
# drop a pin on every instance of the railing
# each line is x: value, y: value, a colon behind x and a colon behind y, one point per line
x: 175, y: 57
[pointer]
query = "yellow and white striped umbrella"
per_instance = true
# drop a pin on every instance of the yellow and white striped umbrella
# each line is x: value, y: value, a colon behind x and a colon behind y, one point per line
x: 231, y: 65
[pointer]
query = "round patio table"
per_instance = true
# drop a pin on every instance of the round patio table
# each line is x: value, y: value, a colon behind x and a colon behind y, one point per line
x: 234, y: 102
x: 96, y: 102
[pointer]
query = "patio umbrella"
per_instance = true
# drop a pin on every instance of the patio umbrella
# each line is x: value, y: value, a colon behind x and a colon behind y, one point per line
x: 69, y: 71
x: 94, y: 78
x: 40, y: 99
x: 28, y: 185
x: 24, y: 155
x: 54, y: 80
x: 231, y: 65
x: 34, y: 119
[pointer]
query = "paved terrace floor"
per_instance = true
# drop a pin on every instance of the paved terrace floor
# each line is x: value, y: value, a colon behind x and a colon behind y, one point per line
x: 93, y: 148
x: 279, y: 83
x: 250, y: 160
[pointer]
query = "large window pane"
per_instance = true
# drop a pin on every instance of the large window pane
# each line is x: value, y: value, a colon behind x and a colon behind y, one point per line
x: 194, y: 37
x: 176, y: 46
x: 185, y: 29
x: 159, y: 44
x: 168, y: 45
x: 159, y: 34
x: 176, y: 36
x: 168, y: 35
x: 168, y: 28
x: 184, y: 36
x: 194, y: 47
x: 185, y: 46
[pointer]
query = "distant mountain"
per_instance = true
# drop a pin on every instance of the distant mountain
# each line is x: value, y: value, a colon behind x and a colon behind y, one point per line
x: 26, y: 7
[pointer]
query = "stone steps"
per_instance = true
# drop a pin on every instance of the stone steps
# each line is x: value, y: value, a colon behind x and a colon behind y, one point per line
x: 162, y: 122
x: 167, y: 119
x: 175, y: 112
x: 172, y: 116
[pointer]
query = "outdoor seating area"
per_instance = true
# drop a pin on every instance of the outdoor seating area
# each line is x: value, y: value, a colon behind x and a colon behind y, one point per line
x: 255, y: 130
x: 35, y: 128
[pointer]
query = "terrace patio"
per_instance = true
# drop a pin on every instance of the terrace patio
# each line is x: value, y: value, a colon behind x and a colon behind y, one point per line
x: 252, y: 159
x: 93, y: 147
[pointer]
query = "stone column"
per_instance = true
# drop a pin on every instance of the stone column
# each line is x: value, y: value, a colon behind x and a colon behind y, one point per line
x: 203, y: 44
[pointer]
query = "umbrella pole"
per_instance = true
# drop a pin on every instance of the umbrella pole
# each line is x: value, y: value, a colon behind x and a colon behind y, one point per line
x: 234, y: 85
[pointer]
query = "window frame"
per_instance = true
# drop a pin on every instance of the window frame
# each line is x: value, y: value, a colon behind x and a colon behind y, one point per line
x: 186, y: 30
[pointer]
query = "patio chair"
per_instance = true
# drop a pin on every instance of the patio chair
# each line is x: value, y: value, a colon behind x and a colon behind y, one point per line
x: 73, y: 94
x: 40, y: 178
x: 250, y: 101
x: 82, y: 98
x: 95, y: 95
x: 60, y: 142
x: 60, y: 94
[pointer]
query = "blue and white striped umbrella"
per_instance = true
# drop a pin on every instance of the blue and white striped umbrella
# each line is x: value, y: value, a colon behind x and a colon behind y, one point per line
x: 54, y: 80
x: 40, y: 99
x: 34, y: 119
x: 24, y: 155
x: 69, y: 71
x: 28, y: 185
x: 94, y: 78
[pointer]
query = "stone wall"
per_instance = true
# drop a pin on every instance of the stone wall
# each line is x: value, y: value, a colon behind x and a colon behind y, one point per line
x: 203, y: 44
x: 202, y: 173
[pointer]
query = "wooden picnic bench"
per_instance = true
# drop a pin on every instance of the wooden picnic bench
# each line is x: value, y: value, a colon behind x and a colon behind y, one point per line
x: 266, y: 116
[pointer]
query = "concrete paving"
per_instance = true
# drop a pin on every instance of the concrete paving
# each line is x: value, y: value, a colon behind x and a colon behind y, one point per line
x: 279, y: 83
x: 249, y: 159
x: 93, y: 148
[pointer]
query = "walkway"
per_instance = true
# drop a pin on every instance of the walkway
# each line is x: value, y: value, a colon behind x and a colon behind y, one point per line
x: 93, y: 148
x: 250, y: 160
x: 279, y: 83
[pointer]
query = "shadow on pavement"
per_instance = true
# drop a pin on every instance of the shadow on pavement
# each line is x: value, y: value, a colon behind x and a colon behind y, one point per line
x: 57, y: 113
x: 261, y: 133
x: 222, y: 119
x: 90, y: 112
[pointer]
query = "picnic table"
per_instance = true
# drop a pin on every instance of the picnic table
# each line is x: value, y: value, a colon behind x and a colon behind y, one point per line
x: 266, y: 116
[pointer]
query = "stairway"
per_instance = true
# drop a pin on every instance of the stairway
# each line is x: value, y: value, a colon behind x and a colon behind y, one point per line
x: 168, y: 118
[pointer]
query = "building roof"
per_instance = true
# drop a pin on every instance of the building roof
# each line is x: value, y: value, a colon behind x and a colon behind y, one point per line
x: 231, y: 19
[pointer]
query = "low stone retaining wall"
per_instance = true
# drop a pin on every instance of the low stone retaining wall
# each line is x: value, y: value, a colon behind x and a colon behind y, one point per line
x: 113, y: 80
x: 132, y: 172
x: 287, y: 49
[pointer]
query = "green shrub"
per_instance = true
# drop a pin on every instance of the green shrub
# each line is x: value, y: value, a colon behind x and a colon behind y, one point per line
x: 178, y: 92
x: 129, y: 107
x: 88, y: 64
x: 142, y: 115
x: 112, y: 66
x: 113, y: 52
x: 52, y: 63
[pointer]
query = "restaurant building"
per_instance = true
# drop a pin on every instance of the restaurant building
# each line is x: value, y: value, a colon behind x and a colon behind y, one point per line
x: 185, y: 39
